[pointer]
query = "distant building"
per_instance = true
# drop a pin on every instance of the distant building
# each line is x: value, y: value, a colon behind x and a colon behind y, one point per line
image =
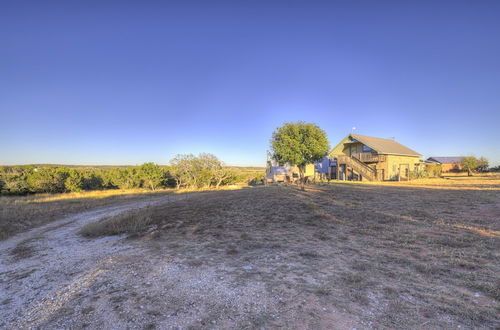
x: 448, y: 164
x: 359, y: 157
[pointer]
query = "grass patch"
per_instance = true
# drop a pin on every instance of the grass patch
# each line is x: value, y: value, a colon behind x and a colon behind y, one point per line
x: 388, y: 251
x: 126, y: 223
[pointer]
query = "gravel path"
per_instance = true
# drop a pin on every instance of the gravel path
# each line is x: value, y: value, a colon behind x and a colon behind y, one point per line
x: 42, y: 269
x: 52, y: 278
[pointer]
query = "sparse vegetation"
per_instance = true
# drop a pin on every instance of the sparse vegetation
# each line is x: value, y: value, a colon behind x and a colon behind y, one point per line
x: 202, y: 171
x: 380, y: 255
x: 472, y: 163
x: 206, y: 171
x: 396, y: 256
x: 130, y: 223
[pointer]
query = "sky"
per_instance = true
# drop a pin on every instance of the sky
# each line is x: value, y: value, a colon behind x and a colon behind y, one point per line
x: 128, y: 82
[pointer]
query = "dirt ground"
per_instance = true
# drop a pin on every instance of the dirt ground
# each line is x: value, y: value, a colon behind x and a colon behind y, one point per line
x: 337, y: 256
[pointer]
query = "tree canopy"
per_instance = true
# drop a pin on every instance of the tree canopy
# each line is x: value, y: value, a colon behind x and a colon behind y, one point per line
x: 204, y: 170
x: 299, y: 144
x: 471, y: 163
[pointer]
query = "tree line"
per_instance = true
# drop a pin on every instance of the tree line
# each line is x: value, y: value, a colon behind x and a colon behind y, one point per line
x: 184, y: 171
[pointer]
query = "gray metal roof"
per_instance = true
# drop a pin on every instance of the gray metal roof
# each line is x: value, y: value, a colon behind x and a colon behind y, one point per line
x: 445, y: 160
x: 385, y: 146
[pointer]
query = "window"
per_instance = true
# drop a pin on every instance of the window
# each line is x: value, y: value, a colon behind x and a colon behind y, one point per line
x: 367, y: 149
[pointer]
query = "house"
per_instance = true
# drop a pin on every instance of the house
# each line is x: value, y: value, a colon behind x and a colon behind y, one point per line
x: 285, y: 173
x: 448, y: 164
x: 359, y: 157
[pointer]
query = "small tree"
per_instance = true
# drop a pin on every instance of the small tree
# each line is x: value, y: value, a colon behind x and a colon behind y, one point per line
x: 299, y: 144
x: 205, y: 170
x: 152, y: 175
x: 482, y: 164
x: 469, y: 164
x: 181, y: 169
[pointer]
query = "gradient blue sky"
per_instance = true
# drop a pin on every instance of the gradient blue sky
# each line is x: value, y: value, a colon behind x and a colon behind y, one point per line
x: 125, y: 82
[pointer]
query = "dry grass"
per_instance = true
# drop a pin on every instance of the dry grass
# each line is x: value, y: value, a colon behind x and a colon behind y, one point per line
x: 487, y: 181
x: 392, y: 256
x: 19, y: 213
x: 130, y: 223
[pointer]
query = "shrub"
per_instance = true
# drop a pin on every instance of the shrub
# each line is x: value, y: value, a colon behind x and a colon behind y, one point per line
x: 74, y: 181
x: 433, y: 170
x: 124, y: 223
x: 91, y: 180
x: 47, y: 179
x: 257, y: 179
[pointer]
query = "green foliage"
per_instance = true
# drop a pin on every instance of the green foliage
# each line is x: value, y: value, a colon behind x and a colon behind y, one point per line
x: 482, y: 164
x: 495, y: 169
x: 299, y: 144
x: 14, y: 180
x: 469, y: 163
x: 433, y: 170
x: 205, y: 170
x: 257, y: 179
x: 47, y: 179
x: 91, y: 180
x: 74, y: 181
x: 152, y: 176
x: 472, y: 163
x: 126, y: 178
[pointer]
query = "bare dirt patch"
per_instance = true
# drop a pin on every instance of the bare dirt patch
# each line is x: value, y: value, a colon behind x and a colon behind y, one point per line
x: 335, y: 256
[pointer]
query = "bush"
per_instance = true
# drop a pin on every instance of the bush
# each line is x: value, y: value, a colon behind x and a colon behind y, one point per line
x: 125, y: 223
x: 203, y: 171
x: 91, y: 180
x: 47, y: 179
x: 257, y: 179
x: 433, y: 170
x: 494, y: 169
x: 74, y: 181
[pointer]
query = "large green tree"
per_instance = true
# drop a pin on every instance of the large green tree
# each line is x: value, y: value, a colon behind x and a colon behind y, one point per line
x: 299, y: 144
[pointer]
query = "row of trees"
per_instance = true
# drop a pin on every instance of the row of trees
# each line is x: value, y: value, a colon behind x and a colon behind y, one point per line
x: 56, y: 179
x: 184, y: 171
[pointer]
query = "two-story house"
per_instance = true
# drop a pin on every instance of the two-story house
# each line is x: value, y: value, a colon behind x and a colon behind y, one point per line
x: 359, y: 157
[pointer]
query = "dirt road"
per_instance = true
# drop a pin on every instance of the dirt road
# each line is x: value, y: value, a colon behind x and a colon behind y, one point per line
x: 43, y: 270
x: 338, y: 256
x: 50, y: 277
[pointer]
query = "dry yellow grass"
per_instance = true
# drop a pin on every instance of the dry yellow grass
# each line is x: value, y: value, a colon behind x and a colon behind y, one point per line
x: 485, y: 182
x: 389, y: 256
x: 18, y: 213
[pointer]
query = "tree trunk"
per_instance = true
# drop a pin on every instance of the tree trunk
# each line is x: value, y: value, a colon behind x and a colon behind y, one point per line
x: 302, y: 183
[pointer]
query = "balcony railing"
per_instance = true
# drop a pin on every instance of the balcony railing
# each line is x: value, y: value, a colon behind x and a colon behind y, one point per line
x: 368, y: 157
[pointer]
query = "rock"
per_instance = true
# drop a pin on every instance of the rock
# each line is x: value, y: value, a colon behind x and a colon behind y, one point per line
x: 248, y: 267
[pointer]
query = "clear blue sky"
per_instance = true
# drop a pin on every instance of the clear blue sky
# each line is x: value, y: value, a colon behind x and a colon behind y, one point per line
x: 119, y: 82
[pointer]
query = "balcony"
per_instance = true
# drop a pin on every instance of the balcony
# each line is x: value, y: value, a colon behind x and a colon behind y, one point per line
x: 368, y: 157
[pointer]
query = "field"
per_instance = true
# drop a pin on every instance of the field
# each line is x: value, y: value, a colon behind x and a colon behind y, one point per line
x: 422, y: 254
